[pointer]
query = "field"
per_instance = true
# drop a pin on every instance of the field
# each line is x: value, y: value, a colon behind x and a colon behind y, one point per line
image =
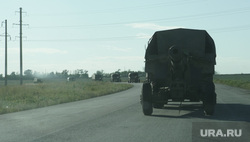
x: 15, y: 98
x: 236, y: 80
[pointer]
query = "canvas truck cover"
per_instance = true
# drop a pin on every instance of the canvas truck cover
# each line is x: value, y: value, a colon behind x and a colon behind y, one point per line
x: 195, y: 43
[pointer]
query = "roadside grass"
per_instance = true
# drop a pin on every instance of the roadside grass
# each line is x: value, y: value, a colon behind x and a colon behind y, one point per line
x: 235, y: 80
x: 235, y: 83
x: 15, y: 98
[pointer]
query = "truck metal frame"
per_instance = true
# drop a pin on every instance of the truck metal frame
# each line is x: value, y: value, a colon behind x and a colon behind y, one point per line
x: 179, y: 66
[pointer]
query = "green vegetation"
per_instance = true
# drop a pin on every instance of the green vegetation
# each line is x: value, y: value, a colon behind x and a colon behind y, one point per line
x: 236, y: 80
x: 15, y: 98
x: 29, y: 75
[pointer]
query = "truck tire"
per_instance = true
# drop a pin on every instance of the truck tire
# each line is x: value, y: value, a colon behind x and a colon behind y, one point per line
x: 146, y: 99
x: 209, y: 98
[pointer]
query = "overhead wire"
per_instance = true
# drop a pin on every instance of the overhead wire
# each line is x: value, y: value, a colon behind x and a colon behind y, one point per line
x: 217, y: 30
x: 84, y: 39
x: 231, y: 29
x: 124, y: 9
x: 170, y: 19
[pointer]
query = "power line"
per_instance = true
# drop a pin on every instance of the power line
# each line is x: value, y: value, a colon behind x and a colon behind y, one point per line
x: 231, y: 29
x: 84, y: 39
x: 125, y: 9
x: 171, y: 19
x: 217, y: 30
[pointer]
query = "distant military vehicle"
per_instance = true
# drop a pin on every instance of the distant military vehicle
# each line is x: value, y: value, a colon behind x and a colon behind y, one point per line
x: 37, y: 80
x: 71, y: 79
x: 97, y: 77
x: 179, y: 67
x: 115, y: 77
x: 133, y: 77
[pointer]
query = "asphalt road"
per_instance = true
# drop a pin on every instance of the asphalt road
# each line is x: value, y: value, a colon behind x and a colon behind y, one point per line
x: 118, y: 117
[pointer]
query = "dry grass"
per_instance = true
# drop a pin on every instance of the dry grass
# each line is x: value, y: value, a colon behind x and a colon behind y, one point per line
x: 236, y: 83
x: 17, y: 98
x: 236, y: 80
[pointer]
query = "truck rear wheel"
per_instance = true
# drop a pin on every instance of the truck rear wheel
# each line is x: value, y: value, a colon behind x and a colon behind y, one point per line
x: 208, y: 109
x: 146, y: 99
x: 209, y: 99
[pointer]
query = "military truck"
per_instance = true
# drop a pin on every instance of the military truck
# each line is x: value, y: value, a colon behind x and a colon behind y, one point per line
x: 97, y: 77
x: 37, y: 80
x: 179, y: 66
x: 133, y: 77
x: 71, y: 79
x: 115, y: 77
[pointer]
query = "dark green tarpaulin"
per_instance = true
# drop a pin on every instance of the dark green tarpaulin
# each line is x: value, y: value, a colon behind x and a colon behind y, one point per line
x: 197, y: 43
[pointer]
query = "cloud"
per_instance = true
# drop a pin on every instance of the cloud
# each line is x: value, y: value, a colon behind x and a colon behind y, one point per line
x: 33, y: 51
x: 118, y: 49
x: 125, y: 58
x: 44, y: 51
x: 151, y: 26
x: 143, y: 36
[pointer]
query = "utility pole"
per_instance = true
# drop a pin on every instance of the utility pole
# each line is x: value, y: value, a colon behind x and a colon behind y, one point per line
x: 5, y: 76
x: 6, y: 36
x: 21, y: 49
x: 21, y: 46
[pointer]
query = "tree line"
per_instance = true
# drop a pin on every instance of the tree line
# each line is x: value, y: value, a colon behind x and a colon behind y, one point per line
x: 78, y: 73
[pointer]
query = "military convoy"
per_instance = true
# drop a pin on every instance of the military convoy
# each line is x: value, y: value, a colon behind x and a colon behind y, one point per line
x: 97, y: 77
x: 71, y: 79
x: 37, y: 80
x: 179, y: 66
x: 115, y: 77
x: 133, y: 77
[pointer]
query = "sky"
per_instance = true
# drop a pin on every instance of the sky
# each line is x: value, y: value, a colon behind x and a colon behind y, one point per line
x: 112, y: 34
